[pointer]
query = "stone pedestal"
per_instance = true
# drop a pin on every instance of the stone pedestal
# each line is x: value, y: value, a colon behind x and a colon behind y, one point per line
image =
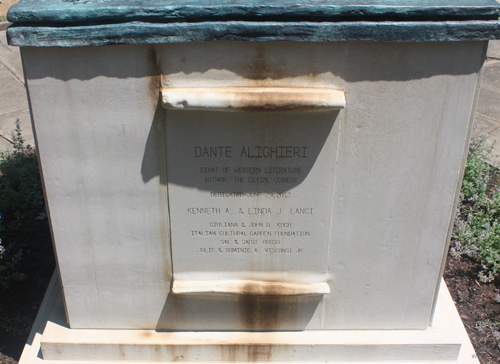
x: 252, y: 217
x: 252, y: 183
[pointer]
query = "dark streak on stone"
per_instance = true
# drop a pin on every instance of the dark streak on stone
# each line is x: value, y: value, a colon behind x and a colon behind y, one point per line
x: 260, y: 69
x: 247, y: 353
x: 260, y: 353
x: 259, y: 311
x: 155, y: 72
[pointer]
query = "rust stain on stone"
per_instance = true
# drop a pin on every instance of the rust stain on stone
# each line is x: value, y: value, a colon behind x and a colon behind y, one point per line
x: 230, y: 352
x: 260, y: 68
x: 259, y: 353
x: 266, y: 308
x: 251, y: 352
x: 145, y: 333
x: 253, y: 98
x: 155, y: 74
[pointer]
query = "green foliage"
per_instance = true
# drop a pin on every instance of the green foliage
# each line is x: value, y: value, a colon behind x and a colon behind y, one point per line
x: 477, y: 226
x: 21, y: 200
x: 16, y: 324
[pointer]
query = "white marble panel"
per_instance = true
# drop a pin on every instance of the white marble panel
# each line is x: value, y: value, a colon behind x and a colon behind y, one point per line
x: 381, y: 181
x: 240, y: 195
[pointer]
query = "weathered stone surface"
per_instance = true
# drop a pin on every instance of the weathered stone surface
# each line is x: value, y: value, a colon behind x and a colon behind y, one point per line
x: 138, y: 32
x: 100, y: 22
x: 447, y: 339
x: 240, y: 195
x: 82, y: 11
x: 115, y: 207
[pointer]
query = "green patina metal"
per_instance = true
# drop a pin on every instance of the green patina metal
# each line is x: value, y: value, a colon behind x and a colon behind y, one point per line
x: 70, y: 23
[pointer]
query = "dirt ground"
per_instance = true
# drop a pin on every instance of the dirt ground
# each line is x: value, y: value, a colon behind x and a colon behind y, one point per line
x: 5, y: 5
x: 478, y: 304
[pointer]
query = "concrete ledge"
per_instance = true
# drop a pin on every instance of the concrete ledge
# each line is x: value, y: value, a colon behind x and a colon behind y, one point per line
x: 446, y: 340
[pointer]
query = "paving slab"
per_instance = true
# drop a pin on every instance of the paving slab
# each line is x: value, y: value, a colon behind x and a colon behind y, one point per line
x: 489, y: 96
x: 7, y: 125
x: 494, y: 139
x: 13, y: 101
x: 488, y: 106
x: 4, y: 25
x: 484, y: 126
x: 10, y: 57
x: 494, y: 49
x: 12, y: 92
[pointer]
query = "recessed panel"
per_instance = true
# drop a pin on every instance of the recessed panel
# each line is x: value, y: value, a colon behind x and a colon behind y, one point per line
x: 250, y: 196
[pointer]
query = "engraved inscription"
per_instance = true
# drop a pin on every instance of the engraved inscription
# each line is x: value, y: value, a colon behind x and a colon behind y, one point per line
x: 248, y: 197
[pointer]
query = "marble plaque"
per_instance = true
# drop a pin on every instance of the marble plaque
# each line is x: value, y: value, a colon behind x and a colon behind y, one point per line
x: 250, y: 195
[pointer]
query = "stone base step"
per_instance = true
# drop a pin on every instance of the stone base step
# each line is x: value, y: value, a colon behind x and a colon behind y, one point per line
x: 445, y: 341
